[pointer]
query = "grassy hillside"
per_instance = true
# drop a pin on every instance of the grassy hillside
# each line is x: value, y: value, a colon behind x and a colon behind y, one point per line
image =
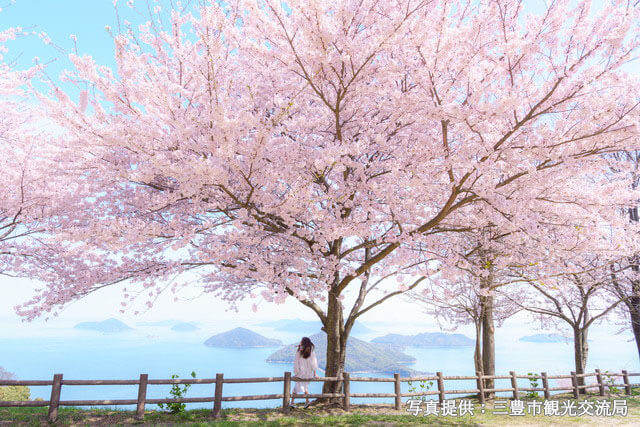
x: 240, y: 338
x: 361, y: 356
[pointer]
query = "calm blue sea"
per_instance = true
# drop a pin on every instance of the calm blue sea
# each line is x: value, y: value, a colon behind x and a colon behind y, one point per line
x: 89, y: 355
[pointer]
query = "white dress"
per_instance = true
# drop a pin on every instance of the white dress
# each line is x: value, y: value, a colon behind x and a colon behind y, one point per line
x: 304, y: 368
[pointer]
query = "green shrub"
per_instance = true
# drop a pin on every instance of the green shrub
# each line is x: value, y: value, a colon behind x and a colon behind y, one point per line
x: 176, y: 393
x: 421, y: 386
x: 610, y: 382
x: 15, y: 392
x: 533, y: 381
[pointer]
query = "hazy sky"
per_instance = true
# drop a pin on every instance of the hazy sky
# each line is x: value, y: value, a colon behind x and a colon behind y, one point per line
x: 106, y: 303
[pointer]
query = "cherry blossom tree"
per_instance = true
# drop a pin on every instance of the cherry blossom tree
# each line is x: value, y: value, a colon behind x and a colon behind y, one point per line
x: 469, y: 292
x: 625, y: 283
x: 10, y: 207
x: 626, y: 287
x: 315, y: 150
x: 464, y: 302
x: 35, y: 181
x: 22, y: 161
x: 576, y: 299
x: 483, y: 266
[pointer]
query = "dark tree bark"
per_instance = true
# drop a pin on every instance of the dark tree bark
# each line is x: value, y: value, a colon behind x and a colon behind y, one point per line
x: 634, y: 313
x: 488, y: 342
x: 581, y: 352
x: 477, y: 352
x: 630, y: 292
x: 338, y: 328
x: 336, y: 344
x: 633, y: 305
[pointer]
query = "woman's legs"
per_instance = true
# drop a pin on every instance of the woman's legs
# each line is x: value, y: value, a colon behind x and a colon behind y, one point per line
x: 298, y: 388
x: 301, y: 387
x: 295, y: 390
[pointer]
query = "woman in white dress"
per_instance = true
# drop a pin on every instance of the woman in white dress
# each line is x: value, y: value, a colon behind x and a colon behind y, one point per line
x: 304, y: 366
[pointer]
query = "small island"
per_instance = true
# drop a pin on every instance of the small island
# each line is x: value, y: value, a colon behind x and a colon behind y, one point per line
x: 106, y: 326
x: 241, y: 338
x: 426, y: 339
x: 307, y: 326
x: 544, y: 338
x: 362, y: 356
x: 184, y: 327
x: 168, y: 322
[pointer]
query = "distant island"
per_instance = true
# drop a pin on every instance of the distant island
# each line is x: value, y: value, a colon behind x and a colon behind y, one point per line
x: 106, y: 326
x: 241, y: 338
x: 307, y: 327
x: 426, y: 339
x: 544, y: 338
x: 362, y: 356
x: 169, y: 322
x: 184, y: 327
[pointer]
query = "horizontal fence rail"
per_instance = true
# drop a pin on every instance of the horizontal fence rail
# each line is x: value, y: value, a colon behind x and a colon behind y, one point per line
x: 345, y: 379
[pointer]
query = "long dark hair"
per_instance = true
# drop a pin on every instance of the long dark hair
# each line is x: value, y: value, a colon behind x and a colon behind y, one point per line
x: 305, y: 347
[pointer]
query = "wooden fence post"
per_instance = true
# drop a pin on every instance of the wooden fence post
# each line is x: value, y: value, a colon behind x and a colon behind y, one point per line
x: 286, y: 395
x: 514, y: 384
x: 397, y: 390
x: 347, y: 391
x: 480, y: 385
x: 440, y: 387
x: 627, y: 383
x: 54, y: 400
x: 142, y: 396
x: 545, y: 384
x: 217, y: 399
x: 600, y: 383
x: 574, y: 383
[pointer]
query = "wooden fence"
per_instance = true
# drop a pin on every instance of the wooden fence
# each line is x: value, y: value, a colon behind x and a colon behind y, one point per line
x: 483, y: 393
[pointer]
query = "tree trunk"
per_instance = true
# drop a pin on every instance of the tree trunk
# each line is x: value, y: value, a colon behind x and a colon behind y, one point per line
x: 634, y: 300
x: 488, y: 342
x: 477, y: 352
x: 634, y: 309
x: 336, y: 344
x: 580, y: 351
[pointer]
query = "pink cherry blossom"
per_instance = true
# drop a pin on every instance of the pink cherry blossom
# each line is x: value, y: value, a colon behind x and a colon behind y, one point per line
x: 319, y: 149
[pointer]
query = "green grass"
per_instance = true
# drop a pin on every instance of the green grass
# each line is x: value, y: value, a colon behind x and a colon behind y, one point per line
x: 360, y: 415
x: 37, y: 416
